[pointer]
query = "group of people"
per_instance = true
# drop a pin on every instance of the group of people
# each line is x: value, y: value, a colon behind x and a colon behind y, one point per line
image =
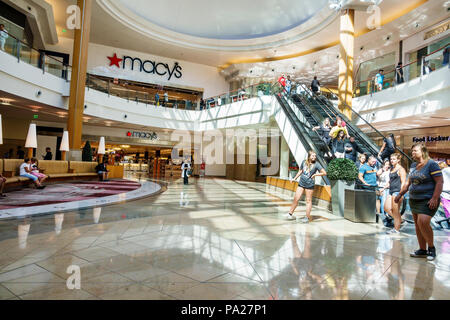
x: 165, y: 101
x: 428, y: 184
x: 30, y: 170
x: 20, y: 154
x: 338, y: 140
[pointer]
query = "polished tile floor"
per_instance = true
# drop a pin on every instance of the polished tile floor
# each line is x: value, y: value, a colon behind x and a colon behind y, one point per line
x: 213, y: 239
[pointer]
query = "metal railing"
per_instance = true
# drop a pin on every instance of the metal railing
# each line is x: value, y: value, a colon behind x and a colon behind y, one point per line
x: 406, y: 157
x: 26, y: 53
x: 408, y: 72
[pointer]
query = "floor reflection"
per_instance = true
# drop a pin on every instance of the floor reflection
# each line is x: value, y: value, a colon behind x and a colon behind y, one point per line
x: 213, y: 239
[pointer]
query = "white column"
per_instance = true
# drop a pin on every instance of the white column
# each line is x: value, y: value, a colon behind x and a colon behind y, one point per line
x: 284, y: 161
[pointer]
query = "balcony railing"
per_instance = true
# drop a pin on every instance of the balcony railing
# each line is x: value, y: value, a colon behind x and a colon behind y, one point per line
x: 411, y: 71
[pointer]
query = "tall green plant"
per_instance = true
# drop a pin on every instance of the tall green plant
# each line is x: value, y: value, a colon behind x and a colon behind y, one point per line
x: 342, y: 169
x: 87, y: 152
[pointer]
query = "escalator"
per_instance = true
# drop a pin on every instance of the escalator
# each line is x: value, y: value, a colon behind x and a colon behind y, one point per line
x: 325, y: 109
x: 303, y: 129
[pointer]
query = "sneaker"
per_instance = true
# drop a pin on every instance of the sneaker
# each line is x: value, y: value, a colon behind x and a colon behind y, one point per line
x: 304, y: 220
x: 289, y: 216
x: 393, y: 231
x: 419, y: 254
x: 431, y: 254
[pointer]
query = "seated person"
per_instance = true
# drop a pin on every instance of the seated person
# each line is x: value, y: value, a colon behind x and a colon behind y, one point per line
x: 35, y: 171
x: 102, y: 171
x: 25, y: 172
x: 2, y: 186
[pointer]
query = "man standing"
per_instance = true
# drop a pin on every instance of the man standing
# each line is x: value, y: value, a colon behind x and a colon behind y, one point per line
x: 351, y: 149
x: 166, y: 99
x: 288, y: 85
x: 157, y: 99
x: 399, y: 73
x: 185, y: 167
x: 315, y: 85
x: 368, y: 174
x: 48, y: 154
x: 3, y: 36
x: 20, y: 153
x: 379, y: 80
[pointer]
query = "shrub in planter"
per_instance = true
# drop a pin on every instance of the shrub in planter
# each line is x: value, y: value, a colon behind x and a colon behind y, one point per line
x: 342, y: 174
x: 342, y: 169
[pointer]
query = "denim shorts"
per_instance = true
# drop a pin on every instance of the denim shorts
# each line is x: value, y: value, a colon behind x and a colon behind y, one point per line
x: 29, y: 176
x: 394, y: 194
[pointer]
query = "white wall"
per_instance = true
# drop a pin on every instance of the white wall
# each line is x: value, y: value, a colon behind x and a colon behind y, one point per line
x: 195, y: 76
x: 417, y: 41
x: 426, y: 94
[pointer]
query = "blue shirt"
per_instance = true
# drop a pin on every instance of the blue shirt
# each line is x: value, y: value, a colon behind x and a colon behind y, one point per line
x: 369, y: 174
x: 422, y: 182
x: 379, y: 78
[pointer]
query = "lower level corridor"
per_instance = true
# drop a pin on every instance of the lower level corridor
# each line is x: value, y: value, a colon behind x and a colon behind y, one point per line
x: 214, y: 239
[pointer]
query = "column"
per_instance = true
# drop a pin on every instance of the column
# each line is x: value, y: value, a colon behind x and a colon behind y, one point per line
x: 78, y: 80
x: 347, y: 43
x: 284, y: 159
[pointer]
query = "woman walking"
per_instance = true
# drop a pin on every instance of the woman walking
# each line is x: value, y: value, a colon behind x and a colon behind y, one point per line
x: 425, y: 186
x: 309, y: 170
x: 397, y: 180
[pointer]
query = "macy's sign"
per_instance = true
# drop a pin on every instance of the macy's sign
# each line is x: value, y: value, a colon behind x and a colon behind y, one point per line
x: 147, y: 66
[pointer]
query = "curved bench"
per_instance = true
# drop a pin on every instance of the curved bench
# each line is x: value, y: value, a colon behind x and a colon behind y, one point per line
x: 54, y: 169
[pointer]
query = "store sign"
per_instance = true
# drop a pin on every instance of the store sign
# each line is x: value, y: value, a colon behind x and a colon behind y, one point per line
x: 438, y: 30
x: 430, y: 139
x: 142, y: 135
x: 147, y: 66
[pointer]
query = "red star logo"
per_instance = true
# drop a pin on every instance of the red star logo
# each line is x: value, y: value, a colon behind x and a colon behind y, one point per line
x: 114, y: 61
x: 129, y: 134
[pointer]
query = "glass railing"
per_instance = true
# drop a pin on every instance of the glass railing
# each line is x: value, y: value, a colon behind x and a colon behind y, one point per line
x: 111, y: 88
x: 25, y: 53
x: 415, y: 69
x: 253, y: 91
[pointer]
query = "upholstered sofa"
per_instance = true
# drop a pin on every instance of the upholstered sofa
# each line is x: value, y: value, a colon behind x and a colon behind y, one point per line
x: 55, y: 170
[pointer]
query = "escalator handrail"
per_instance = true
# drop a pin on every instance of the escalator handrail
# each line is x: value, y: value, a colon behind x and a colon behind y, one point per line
x: 315, y: 118
x: 327, y: 109
x: 371, y: 126
x: 307, y: 140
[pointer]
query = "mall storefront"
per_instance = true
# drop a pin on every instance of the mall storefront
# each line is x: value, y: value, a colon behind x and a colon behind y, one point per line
x: 436, y: 139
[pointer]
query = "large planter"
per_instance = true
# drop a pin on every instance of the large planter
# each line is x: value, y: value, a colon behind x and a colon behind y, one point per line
x: 338, y: 188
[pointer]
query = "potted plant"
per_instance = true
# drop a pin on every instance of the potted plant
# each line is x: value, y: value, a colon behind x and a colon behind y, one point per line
x: 342, y: 174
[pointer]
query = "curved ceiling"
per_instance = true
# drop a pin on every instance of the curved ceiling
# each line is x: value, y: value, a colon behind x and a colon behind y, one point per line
x: 216, y: 25
x: 230, y: 20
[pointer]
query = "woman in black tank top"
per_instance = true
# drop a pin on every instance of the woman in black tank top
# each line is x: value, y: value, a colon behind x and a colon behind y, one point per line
x: 397, y: 178
x: 395, y: 182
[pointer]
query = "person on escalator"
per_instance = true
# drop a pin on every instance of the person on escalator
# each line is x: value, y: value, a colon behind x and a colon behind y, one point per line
x: 388, y: 147
x: 324, y: 131
x: 315, y: 86
x: 339, y: 126
x: 288, y: 85
x: 351, y: 149
x: 338, y: 145
x: 282, y: 82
